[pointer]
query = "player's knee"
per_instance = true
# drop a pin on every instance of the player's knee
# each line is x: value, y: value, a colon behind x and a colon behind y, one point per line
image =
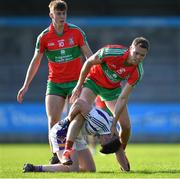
x: 74, y: 168
x: 89, y: 169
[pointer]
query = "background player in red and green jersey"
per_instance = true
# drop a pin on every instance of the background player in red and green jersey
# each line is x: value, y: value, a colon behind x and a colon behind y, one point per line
x: 102, y: 74
x: 64, y: 44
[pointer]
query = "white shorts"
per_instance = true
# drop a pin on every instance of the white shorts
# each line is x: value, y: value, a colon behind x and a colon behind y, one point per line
x: 58, y: 139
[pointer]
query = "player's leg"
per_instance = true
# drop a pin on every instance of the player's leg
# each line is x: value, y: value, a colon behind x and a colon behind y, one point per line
x: 86, y: 162
x: 55, y: 101
x: 92, y: 142
x: 74, y: 128
x: 76, y: 124
x: 55, y: 167
x: 71, y: 168
x: 57, y: 137
x: 54, y: 108
x: 73, y: 131
x: 110, y: 98
x: 79, y: 106
x: 88, y: 95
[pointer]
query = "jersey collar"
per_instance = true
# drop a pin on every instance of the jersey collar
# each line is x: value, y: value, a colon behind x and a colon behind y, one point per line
x: 52, y: 30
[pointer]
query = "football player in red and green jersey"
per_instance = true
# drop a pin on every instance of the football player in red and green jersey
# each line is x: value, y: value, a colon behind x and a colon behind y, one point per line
x: 64, y: 45
x: 102, y: 75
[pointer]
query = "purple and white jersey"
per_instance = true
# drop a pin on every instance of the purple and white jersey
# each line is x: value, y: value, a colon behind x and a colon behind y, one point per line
x: 97, y: 122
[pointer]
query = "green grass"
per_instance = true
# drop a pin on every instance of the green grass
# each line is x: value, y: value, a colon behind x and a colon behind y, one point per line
x: 147, y: 161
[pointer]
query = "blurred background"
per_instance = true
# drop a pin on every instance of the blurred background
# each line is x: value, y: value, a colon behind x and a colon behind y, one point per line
x: 154, y: 105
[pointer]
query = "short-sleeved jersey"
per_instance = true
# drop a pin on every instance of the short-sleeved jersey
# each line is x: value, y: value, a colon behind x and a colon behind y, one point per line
x: 114, y: 68
x: 63, y: 52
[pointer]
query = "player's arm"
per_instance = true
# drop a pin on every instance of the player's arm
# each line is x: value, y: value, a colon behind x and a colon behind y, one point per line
x: 83, y: 44
x: 93, y: 60
x: 120, y: 104
x: 86, y: 51
x: 31, y: 72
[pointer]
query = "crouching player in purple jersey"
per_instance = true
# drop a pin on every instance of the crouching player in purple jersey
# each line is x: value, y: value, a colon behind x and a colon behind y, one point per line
x: 97, y: 122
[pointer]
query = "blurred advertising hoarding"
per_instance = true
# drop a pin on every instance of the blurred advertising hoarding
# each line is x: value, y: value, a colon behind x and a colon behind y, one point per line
x: 150, y: 122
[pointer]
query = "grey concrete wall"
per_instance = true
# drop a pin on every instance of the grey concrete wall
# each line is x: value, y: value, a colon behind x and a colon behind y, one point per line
x: 161, y: 82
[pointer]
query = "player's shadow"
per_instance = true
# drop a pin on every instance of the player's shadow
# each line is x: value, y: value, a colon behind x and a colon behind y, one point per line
x: 155, y: 171
x: 144, y: 171
x: 110, y: 172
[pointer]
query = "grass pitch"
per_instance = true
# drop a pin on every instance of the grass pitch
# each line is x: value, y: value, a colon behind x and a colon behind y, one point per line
x: 147, y: 161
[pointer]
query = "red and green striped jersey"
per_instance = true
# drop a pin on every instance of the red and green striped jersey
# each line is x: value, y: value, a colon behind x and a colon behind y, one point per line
x: 114, y: 68
x: 63, y: 52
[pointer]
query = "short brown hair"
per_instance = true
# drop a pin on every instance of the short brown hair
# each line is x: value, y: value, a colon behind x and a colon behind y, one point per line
x: 142, y: 42
x: 58, y: 5
x: 112, y: 146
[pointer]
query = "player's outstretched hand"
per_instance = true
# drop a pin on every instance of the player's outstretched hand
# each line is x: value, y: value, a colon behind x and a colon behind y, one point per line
x: 21, y: 94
